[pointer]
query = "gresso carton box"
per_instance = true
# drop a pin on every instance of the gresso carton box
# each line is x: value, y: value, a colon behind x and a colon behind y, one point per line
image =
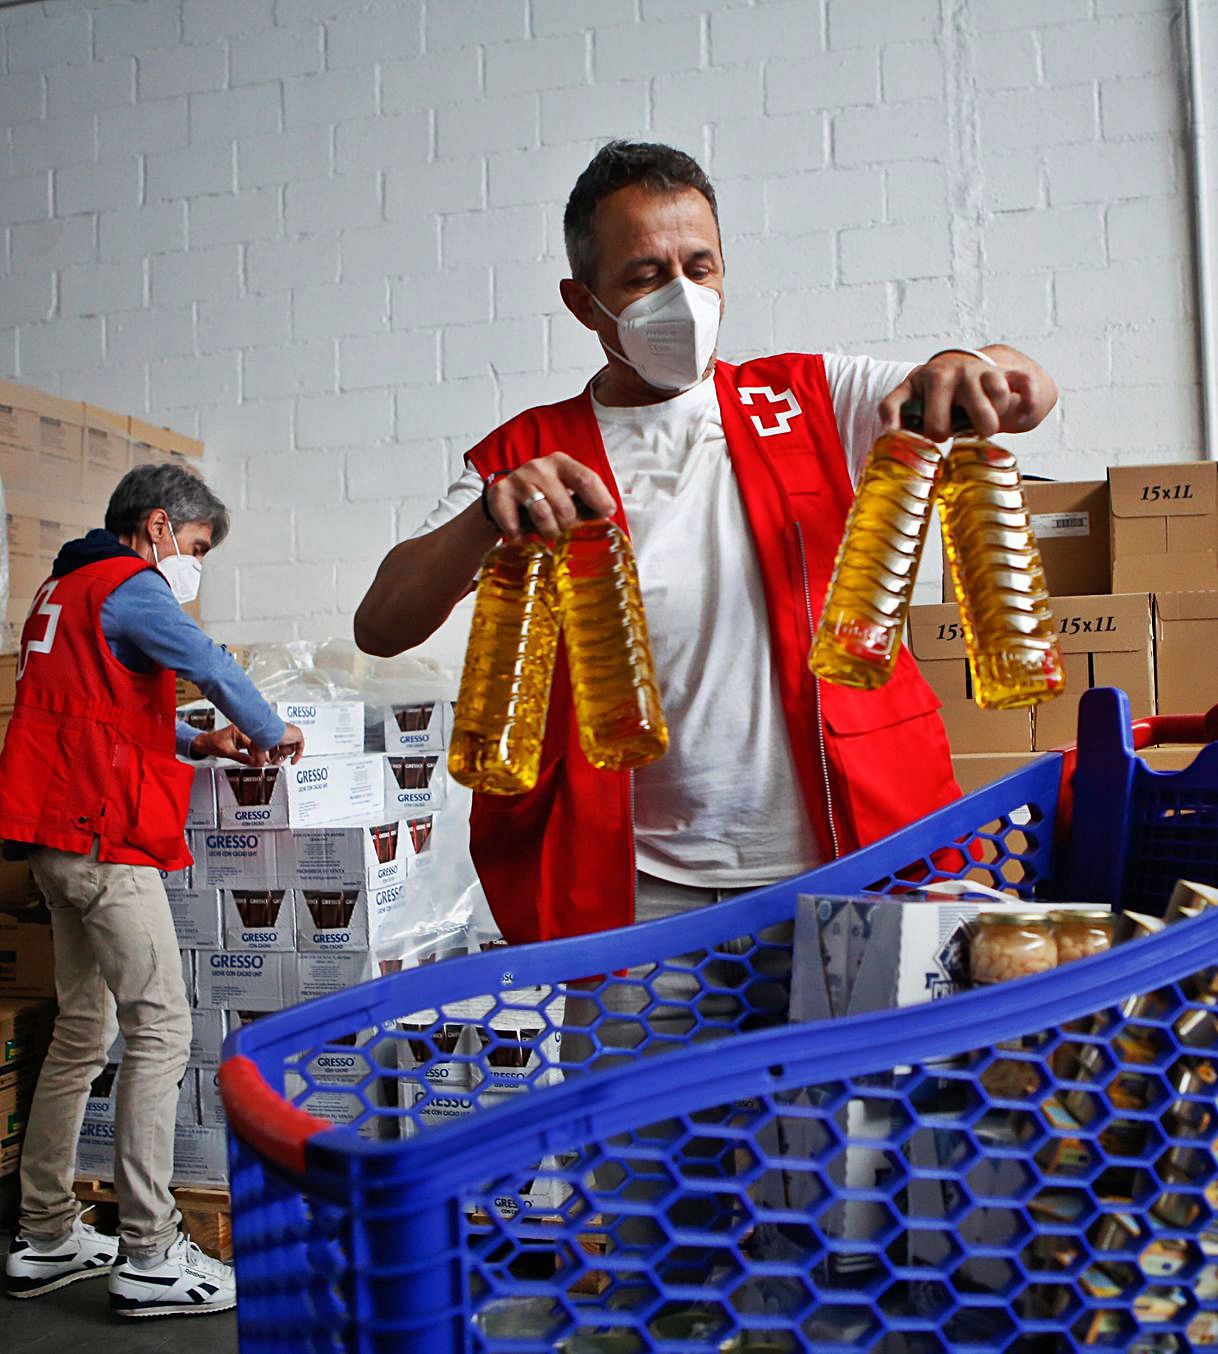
x: 418, y: 728
x: 1070, y: 523
x: 202, y: 809
x: 196, y: 916
x: 415, y: 784
x: 227, y: 858
x: 319, y: 974
x: 369, y: 855
x: 1105, y: 641
x: 1186, y: 633
x: 316, y: 791
x: 936, y: 640
x: 199, y: 1156
x: 333, y: 920
x: 245, y: 981
x: 1164, y: 526
x: 259, y: 919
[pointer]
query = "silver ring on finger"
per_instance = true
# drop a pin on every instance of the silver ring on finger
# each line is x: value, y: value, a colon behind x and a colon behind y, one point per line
x: 533, y: 498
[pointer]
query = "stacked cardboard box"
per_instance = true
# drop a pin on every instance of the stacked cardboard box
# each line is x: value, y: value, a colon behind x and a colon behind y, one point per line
x: 59, y: 463
x: 304, y: 879
x: 25, y: 1031
x: 1132, y: 565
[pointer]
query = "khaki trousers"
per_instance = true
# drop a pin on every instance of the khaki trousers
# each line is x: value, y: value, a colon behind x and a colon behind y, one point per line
x: 116, y: 953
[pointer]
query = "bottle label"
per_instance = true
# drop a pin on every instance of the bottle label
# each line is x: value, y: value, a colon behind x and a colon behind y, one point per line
x: 1049, y: 524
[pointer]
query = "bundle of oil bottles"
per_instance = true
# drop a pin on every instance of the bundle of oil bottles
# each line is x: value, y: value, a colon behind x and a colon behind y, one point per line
x: 586, y: 584
x: 995, y: 565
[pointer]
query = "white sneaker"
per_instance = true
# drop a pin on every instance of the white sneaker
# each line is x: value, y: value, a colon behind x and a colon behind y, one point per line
x: 84, y: 1253
x: 185, y: 1283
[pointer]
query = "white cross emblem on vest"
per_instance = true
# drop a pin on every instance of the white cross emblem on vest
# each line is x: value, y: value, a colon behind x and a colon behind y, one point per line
x: 784, y: 406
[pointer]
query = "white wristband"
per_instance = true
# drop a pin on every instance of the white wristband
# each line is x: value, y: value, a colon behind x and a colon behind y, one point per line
x: 971, y: 352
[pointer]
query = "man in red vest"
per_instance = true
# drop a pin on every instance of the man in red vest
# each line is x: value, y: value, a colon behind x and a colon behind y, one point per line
x: 734, y: 482
x: 92, y: 793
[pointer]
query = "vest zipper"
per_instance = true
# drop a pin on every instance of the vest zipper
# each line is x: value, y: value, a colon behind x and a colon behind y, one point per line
x: 820, y: 722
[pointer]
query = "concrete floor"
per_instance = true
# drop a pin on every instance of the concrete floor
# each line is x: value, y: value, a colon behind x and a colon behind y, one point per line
x: 78, y: 1317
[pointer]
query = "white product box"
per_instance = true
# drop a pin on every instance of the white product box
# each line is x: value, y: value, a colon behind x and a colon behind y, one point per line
x: 207, y: 1032
x: 317, y: 975
x: 424, y: 726
x: 199, y: 1156
x: 180, y: 879
x: 103, y: 1097
x: 259, y: 919
x: 235, y: 859
x: 196, y: 916
x: 415, y: 785
x: 368, y: 855
x: 211, y: 1107
x: 334, y: 920
x: 253, y: 981
x: 190, y: 977
x: 314, y: 792
x: 202, y: 809
x: 329, y: 727
x: 95, y: 1149
x: 201, y: 715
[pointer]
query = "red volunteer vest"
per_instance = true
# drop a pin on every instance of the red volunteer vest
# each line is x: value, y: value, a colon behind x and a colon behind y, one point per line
x: 90, y: 749
x: 559, y: 860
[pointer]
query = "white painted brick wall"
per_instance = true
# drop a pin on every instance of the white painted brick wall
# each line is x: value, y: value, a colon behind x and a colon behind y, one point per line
x: 327, y: 235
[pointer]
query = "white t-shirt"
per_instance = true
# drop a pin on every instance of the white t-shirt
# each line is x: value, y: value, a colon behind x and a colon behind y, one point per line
x: 723, y: 808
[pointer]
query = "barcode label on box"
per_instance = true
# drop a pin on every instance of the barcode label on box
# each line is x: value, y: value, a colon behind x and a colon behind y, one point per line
x: 1061, y: 524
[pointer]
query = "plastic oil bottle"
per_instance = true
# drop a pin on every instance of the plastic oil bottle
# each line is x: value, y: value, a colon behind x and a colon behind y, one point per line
x: 617, y: 699
x: 863, y: 619
x: 501, y: 711
x: 998, y: 578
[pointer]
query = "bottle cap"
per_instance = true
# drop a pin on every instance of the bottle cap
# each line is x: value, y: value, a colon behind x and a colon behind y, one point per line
x: 911, y: 417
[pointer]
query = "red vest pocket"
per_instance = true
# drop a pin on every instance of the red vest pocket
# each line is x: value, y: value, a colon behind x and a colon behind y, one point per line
x: 155, y: 797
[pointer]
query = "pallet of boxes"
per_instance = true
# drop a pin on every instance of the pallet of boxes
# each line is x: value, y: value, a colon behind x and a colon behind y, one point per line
x: 1132, y: 566
x: 307, y: 879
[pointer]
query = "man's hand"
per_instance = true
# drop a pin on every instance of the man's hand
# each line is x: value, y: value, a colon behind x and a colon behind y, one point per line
x: 1011, y: 397
x: 290, y: 747
x: 559, y: 478
x: 230, y: 743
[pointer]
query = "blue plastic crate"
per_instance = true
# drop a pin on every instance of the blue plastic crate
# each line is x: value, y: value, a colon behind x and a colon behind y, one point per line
x: 658, y: 1160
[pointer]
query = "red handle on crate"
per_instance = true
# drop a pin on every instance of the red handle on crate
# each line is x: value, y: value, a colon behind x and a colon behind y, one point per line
x: 1148, y: 732
x: 271, y: 1126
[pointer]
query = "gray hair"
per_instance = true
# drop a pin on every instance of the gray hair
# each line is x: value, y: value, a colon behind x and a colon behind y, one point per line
x: 661, y: 169
x: 182, y: 494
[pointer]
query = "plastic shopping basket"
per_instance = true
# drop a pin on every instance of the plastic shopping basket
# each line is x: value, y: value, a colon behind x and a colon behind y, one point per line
x: 658, y: 1160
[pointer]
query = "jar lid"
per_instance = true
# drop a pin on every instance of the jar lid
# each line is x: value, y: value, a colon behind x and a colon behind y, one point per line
x: 1011, y: 917
x: 1066, y: 915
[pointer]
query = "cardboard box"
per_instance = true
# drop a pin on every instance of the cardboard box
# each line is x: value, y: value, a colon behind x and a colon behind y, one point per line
x: 415, y: 785
x: 369, y: 855
x: 417, y: 728
x: 936, y: 640
x: 211, y: 1107
x: 334, y: 920
x: 107, y: 454
x: 202, y: 810
x: 189, y: 976
x: 18, y: 422
x: 25, y: 1032
x: 245, y: 982
x: 95, y: 1149
x: 1105, y: 641
x: 199, y: 1156
x: 315, y: 792
x: 1164, y: 526
x: 317, y: 975
x: 27, y: 956
x: 239, y: 858
x: 15, y: 1097
x: 196, y: 917
x: 259, y: 919
x: 1186, y: 641
x: 1071, y: 525
x: 330, y: 728
x: 208, y: 1030
x: 49, y: 456
x: 103, y: 1098
x: 975, y: 769
x: 153, y: 444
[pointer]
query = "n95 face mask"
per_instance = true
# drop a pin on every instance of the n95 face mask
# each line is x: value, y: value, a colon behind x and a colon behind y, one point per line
x: 668, y: 336
x: 182, y: 572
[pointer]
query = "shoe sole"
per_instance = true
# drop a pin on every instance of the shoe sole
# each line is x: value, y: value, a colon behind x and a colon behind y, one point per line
x: 147, y: 1310
x: 62, y: 1282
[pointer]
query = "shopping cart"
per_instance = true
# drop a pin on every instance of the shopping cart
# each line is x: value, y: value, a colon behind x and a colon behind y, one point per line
x: 530, y: 1158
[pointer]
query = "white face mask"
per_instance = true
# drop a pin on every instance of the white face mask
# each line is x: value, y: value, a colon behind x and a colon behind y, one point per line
x: 668, y: 336
x: 182, y: 572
